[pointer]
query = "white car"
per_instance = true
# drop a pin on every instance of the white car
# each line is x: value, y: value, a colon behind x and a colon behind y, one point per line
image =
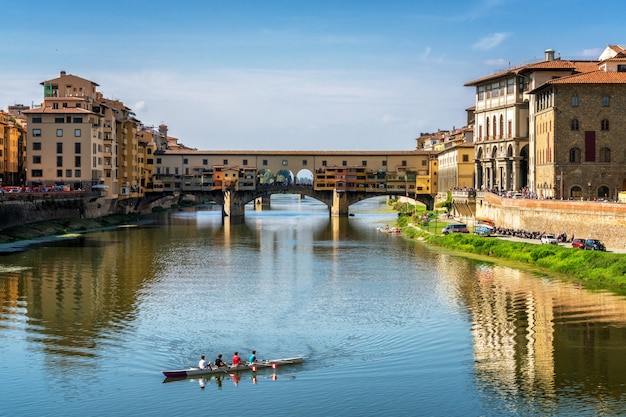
x: 549, y: 239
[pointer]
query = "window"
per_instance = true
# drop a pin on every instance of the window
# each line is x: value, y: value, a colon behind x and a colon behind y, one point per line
x: 590, y: 146
x: 225, y: 161
x: 36, y: 133
x: 465, y: 158
x: 36, y: 159
x: 510, y: 86
x: 59, y: 161
x: 245, y: 162
x: 424, y: 162
x: 265, y: 162
x: 60, y: 119
x: 185, y: 161
x: 604, y: 124
x: 605, y: 155
x: 305, y: 162
x: 77, y: 161
x: 59, y: 147
x: 59, y: 133
x: 384, y: 163
x: 606, y: 100
x: 574, y: 155
x: 481, y: 92
x: 78, y: 119
x: 76, y: 133
x: 158, y: 160
x: 37, y: 173
x: 77, y: 147
x: 285, y: 162
x: 324, y: 163
x: 36, y: 146
x: 344, y: 163
x: 55, y: 106
x: 68, y: 172
x: 37, y: 119
x: 574, y: 101
x: 59, y: 173
x: 77, y: 172
x: 204, y: 161
x: 575, y: 124
x: 403, y: 163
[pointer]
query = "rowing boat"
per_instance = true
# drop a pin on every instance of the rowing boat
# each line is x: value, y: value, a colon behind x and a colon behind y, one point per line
x: 271, y: 363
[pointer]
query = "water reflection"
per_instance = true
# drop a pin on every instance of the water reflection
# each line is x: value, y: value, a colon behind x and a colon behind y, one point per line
x: 544, y: 339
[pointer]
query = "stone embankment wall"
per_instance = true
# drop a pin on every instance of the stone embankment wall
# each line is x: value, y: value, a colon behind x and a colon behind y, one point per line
x: 584, y: 219
x: 24, y: 208
x: 19, y: 211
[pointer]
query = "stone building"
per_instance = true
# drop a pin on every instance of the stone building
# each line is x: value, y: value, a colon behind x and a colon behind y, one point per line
x: 503, y: 121
x: 580, y: 151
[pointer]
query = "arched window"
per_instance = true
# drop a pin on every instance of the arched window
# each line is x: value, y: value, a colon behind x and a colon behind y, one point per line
x: 574, y: 101
x: 575, y: 124
x: 501, y: 126
x: 494, y: 127
x: 487, y: 128
x: 604, y: 125
x: 605, y: 155
x: 574, y: 155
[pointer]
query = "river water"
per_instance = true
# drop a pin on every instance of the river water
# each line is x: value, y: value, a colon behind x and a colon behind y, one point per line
x: 387, y: 326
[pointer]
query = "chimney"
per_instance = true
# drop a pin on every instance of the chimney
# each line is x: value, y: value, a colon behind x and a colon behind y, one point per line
x: 549, y: 55
x: 62, y: 73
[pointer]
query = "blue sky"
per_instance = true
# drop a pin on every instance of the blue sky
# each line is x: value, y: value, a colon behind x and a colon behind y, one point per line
x: 293, y: 75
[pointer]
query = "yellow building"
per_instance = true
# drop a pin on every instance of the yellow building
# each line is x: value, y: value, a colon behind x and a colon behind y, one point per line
x: 12, y: 142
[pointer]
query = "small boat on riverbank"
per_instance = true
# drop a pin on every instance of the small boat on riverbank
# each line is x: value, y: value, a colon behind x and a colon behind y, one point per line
x: 387, y: 229
x: 271, y: 363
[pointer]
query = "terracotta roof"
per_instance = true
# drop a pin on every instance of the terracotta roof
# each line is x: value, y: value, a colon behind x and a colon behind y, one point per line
x: 618, y: 49
x: 556, y: 64
x: 63, y: 110
x: 594, y: 77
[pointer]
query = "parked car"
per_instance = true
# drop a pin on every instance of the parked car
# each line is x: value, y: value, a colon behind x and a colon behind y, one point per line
x: 483, y: 230
x: 549, y: 239
x: 594, y: 244
x: 454, y: 228
x: 578, y: 243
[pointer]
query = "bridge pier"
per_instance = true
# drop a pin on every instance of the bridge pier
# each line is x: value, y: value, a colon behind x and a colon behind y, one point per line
x: 339, y: 207
x: 233, y: 210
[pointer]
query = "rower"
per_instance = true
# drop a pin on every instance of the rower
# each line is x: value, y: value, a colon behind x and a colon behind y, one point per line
x: 219, y: 362
x: 203, y: 364
x: 236, y: 359
x: 252, y: 358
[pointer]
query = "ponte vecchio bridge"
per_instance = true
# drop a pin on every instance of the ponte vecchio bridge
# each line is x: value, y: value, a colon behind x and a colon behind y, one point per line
x: 336, y: 178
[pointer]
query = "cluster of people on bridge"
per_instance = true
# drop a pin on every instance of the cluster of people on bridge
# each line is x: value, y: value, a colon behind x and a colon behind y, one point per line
x: 219, y: 362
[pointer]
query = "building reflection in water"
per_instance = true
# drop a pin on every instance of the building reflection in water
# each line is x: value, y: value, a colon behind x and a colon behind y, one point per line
x: 540, y: 338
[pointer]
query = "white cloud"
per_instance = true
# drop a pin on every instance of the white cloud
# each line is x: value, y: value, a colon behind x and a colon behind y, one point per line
x: 491, y: 41
x: 498, y: 62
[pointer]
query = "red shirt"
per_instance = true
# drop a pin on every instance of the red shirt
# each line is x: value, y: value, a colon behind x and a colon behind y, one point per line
x: 236, y: 360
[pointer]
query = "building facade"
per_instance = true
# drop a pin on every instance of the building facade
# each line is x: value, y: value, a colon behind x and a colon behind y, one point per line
x: 580, y: 151
x: 503, y: 121
x: 12, y: 153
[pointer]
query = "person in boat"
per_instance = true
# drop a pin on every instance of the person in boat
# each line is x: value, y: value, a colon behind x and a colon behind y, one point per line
x: 237, y: 360
x: 203, y: 364
x: 252, y: 358
x: 219, y: 362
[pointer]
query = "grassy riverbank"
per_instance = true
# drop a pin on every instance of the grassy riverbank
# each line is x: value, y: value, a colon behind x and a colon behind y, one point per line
x: 593, y: 269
